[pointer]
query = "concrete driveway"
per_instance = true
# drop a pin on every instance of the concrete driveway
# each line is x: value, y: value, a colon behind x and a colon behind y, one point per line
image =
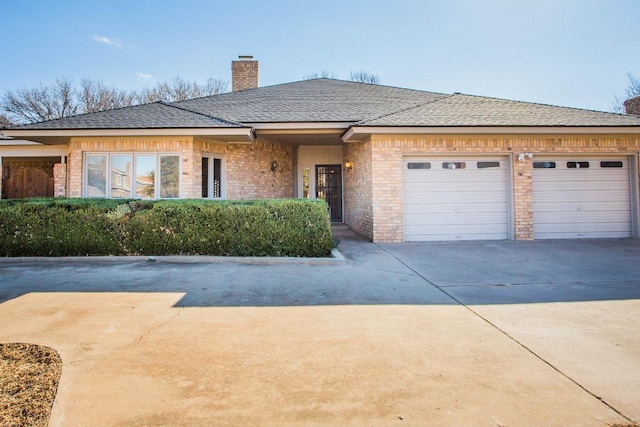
x: 495, y: 334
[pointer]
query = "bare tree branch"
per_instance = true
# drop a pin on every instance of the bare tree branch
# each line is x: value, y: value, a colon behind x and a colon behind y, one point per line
x: 633, y: 90
x: 362, y: 76
x: 62, y: 100
x: 324, y: 74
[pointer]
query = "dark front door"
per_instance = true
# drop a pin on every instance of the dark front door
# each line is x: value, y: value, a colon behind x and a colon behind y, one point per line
x: 329, y: 188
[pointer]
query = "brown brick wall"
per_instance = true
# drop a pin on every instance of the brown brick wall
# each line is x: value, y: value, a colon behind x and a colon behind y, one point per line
x: 358, y: 197
x: 387, y: 153
x: 248, y: 166
x: 60, y: 180
x: 244, y: 75
x: 632, y: 106
x: 248, y: 169
x: 178, y: 145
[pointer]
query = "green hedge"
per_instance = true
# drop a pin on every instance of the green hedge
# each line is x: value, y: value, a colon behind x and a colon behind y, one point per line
x: 68, y: 227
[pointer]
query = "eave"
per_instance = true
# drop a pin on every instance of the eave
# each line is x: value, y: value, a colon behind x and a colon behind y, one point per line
x: 361, y: 133
x: 62, y: 136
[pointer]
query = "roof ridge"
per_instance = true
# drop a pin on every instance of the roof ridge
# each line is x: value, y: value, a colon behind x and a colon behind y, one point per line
x: 231, y: 122
x: 402, y: 110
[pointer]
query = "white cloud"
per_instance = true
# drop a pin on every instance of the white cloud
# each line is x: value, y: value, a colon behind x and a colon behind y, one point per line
x: 106, y: 40
x: 143, y: 76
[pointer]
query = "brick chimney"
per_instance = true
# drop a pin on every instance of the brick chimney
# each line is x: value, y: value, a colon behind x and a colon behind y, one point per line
x: 244, y: 73
x: 632, y: 106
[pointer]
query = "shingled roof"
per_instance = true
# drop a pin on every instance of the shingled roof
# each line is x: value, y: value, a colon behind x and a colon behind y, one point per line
x: 158, y: 115
x: 337, y: 101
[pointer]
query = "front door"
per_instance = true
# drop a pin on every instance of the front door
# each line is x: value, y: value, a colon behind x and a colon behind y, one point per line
x: 329, y: 188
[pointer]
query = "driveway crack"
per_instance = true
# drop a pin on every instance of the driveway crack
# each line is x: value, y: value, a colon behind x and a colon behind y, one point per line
x: 512, y: 338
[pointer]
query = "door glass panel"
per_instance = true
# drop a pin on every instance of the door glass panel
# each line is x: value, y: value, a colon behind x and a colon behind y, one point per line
x: 205, y: 177
x: 121, y: 176
x: 305, y: 183
x: 217, y: 178
x: 97, y: 175
x: 145, y: 176
x: 169, y: 177
x: 329, y: 189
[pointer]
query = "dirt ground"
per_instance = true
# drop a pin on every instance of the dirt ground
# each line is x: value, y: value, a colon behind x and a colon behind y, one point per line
x: 29, y: 377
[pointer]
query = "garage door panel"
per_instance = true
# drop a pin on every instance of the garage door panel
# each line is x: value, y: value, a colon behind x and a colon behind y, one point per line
x: 580, y: 202
x: 465, y: 203
x: 460, y: 218
x: 567, y: 207
x: 585, y: 217
x: 426, y: 208
x: 551, y: 197
x: 579, y: 185
x: 453, y: 232
x: 456, y: 197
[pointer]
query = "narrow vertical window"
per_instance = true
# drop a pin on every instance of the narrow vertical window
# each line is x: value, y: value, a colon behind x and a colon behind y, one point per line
x: 97, y: 175
x: 305, y: 183
x: 145, y: 176
x: 205, y: 177
x: 121, y: 176
x: 169, y: 177
x: 212, y: 178
x: 217, y: 178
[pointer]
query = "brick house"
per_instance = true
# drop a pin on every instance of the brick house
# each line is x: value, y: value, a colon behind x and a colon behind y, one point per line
x: 394, y: 164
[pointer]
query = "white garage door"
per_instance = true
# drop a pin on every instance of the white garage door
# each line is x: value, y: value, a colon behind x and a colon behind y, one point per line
x: 455, y: 199
x: 581, y: 198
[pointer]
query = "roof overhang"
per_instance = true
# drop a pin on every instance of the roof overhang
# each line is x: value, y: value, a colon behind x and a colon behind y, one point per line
x: 62, y: 136
x: 361, y: 133
x: 302, y: 133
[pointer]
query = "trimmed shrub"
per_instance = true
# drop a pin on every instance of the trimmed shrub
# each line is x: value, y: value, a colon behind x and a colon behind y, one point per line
x: 63, y: 227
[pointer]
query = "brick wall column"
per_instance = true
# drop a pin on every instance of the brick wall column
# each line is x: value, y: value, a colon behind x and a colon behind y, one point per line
x: 523, y: 199
x: 1, y: 178
x: 60, y: 180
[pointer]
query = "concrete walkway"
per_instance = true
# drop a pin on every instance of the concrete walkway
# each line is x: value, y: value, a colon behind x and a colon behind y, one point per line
x: 478, y: 334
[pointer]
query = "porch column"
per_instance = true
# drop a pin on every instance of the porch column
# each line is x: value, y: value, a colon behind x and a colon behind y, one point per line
x: 60, y: 180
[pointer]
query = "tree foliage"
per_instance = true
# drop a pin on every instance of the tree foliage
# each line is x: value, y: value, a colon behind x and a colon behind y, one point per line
x: 63, y: 99
x: 632, y: 90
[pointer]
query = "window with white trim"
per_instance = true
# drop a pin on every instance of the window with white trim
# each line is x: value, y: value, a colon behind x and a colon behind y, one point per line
x: 212, y: 177
x: 131, y: 176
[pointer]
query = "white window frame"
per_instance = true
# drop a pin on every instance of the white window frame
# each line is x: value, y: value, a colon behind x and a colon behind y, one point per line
x: 132, y: 194
x: 210, y: 175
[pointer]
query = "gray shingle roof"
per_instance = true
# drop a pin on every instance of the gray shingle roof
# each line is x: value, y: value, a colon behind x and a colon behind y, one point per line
x: 157, y: 115
x: 467, y: 110
x: 328, y: 100
x: 316, y: 100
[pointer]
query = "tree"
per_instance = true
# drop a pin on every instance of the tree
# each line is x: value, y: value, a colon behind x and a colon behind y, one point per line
x: 4, y: 121
x: 42, y: 102
x: 633, y: 90
x: 324, y: 74
x: 181, y: 90
x: 62, y: 99
x: 95, y: 96
x: 362, y: 76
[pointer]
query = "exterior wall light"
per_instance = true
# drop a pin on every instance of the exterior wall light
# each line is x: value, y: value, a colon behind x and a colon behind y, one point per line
x: 348, y: 165
x: 274, y: 166
x: 521, y: 156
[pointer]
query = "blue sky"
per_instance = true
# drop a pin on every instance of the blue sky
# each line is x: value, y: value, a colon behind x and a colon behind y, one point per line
x: 574, y: 53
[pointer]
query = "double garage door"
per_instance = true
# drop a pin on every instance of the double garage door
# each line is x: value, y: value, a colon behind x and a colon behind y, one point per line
x: 466, y: 198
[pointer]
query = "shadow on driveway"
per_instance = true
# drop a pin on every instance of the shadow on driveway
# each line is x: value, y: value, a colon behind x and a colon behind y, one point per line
x: 386, y: 274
